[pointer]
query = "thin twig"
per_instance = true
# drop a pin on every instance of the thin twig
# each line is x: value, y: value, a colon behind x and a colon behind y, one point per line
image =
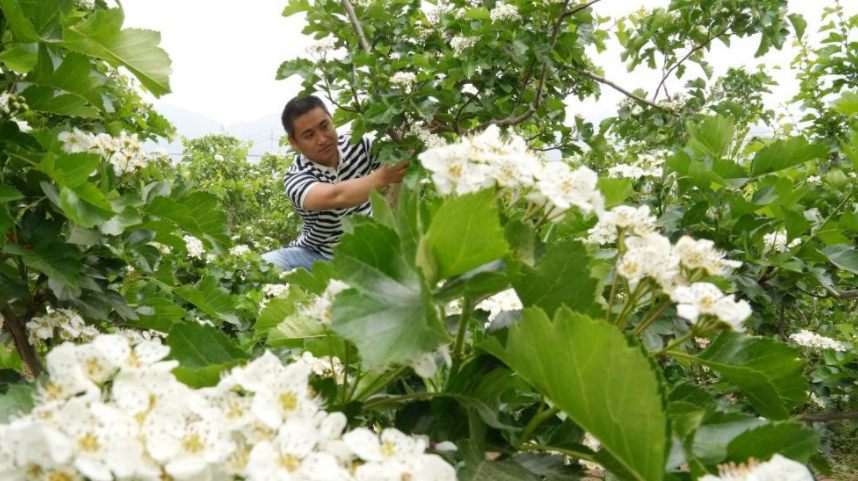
x: 623, y: 91
x: 832, y: 416
x: 580, y: 8
x: 692, y: 52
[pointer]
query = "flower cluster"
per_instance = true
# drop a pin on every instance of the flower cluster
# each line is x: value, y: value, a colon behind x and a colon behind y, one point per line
x: 778, y: 468
x: 239, y: 250
x: 322, y: 366
x: 646, y: 165
x: 275, y: 290
x: 404, y: 80
x: 470, y: 89
x: 814, y: 180
x: 673, y: 267
x: 459, y: 44
x: 322, y: 47
x: 776, y: 242
x: 320, y: 307
x: 113, y: 410
x: 124, y: 153
x: 813, y: 340
x: 64, y: 324
x: 426, y: 137
x: 501, y: 302
x: 194, y: 246
x: 504, y: 11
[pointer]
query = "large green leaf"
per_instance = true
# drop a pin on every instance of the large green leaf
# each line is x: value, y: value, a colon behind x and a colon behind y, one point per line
x: 208, y: 297
x: 101, y: 36
x: 562, y: 277
x: 21, y: 27
x: 86, y: 205
x: 46, y: 99
x: 195, y: 345
x: 69, y: 170
x: 615, y: 191
x: 784, y: 154
x: 769, y: 373
x: 17, y: 400
x: 276, y: 310
x: 464, y: 234
x: 73, y: 79
x: 842, y: 256
x: 847, y: 103
x: 198, y: 213
x: 56, y: 260
x: 20, y: 57
x: 203, y: 353
x: 712, y: 136
x: 790, y: 439
x: 9, y: 193
x: 600, y: 378
x: 389, y: 314
x: 296, y: 6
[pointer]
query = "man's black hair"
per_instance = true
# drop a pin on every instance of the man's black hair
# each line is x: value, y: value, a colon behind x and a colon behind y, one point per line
x: 297, y: 107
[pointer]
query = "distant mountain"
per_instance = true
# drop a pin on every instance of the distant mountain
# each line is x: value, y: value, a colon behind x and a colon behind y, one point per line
x: 264, y: 132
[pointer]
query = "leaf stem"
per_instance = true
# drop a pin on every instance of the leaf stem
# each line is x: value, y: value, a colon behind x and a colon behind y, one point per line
x: 464, y: 320
x: 642, y: 327
x: 375, y: 404
x: 345, y: 371
x: 568, y: 452
x: 380, y: 383
x: 537, y: 420
x: 677, y: 342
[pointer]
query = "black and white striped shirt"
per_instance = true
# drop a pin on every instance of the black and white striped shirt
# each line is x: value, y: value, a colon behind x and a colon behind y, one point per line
x: 323, y: 228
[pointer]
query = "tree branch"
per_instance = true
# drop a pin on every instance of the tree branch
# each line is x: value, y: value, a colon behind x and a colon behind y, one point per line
x: 17, y: 326
x: 835, y: 292
x: 686, y: 57
x: 356, y: 24
x: 832, y: 416
x: 619, y: 89
x: 580, y: 8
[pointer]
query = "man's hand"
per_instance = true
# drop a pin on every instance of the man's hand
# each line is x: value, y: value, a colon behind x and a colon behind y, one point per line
x: 391, y: 174
x: 352, y: 193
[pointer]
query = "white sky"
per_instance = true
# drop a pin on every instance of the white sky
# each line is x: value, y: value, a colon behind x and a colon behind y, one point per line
x: 225, y: 54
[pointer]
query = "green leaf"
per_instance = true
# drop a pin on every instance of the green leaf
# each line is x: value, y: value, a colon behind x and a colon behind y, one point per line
x: 20, y: 57
x: 22, y: 29
x: 389, y: 315
x: 69, y: 170
x: 488, y: 470
x: 798, y: 23
x: 9, y: 193
x: 315, y: 281
x: 716, y: 431
x: 44, y: 99
x: 843, y: 256
x: 199, y: 213
x: 478, y: 14
x: 616, y: 191
x: 158, y: 313
x: 197, y: 346
x: 17, y: 400
x: 712, y: 136
x: 464, y: 234
x: 86, y: 205
x: 276, y: 310
x: 562, y: 277
x: 784, y: 154
x: 789, y: 439
x: 208, y: 376
x: 768, y: 372
x: 600, y: 378
x: 73, y: 78
x: 56, y: 260
x: 208, y: 297
x: 101, y: 36
x: 296, y: 6
x: 847, y: 103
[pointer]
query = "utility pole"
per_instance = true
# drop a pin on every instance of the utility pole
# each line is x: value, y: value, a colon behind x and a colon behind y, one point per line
x: 271, y: 148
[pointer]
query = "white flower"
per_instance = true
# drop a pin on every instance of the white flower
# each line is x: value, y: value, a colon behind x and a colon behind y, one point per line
x: 504, y: 11
x: 814, y: 180
x: 501, y: 302
x: 239, y: 250
x: 703, y: 298
x: 460, y: 44
x: 430, y: 140
x: 194, y: 246
x: 322, y: 47
x: 23, y: 126
x: 470, y: 89
x: 591, y: 442
x: 76, y: 141
x: 811, y: 339
x: 560, y: 188
x: 322, y: 366
x: 275, y: 290
x: 776, y: 242
x: 778, y: 468
x: 404, y: 80
x: 701, y: 254
x: 816, y: 400
x: 320, y: 307
x: 395, y: 456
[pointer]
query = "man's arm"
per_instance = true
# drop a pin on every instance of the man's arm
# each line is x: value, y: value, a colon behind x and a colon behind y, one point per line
x: 352, y: 193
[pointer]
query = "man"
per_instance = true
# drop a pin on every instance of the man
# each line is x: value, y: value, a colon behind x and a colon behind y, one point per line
x: 330, y: 179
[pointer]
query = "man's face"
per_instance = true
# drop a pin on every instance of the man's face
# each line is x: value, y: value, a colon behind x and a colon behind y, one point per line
x: 315, y: 137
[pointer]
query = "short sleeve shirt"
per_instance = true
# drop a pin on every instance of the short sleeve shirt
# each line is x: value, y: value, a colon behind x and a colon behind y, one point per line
x: 323, y: 228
